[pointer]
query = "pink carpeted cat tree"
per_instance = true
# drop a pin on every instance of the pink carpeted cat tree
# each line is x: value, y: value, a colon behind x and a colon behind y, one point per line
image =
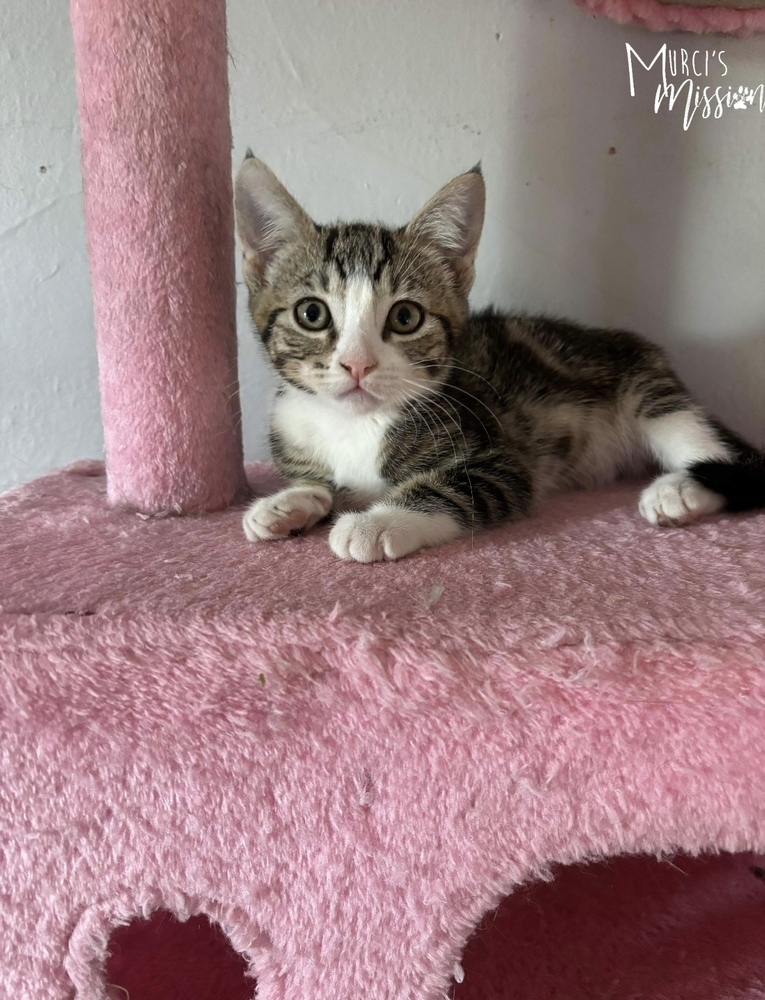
x: 345, y: 767
x: 701, y: 16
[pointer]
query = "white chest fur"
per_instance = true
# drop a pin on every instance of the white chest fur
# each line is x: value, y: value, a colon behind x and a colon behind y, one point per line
x: 348, y: 444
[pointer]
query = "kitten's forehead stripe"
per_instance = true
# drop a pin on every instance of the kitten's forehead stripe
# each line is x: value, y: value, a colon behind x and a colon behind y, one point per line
x: 329, y: 246
x: 387, y: 249
x: 359, y: 248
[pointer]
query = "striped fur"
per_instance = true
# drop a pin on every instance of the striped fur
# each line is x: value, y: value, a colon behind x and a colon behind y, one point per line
x: 417, y: 437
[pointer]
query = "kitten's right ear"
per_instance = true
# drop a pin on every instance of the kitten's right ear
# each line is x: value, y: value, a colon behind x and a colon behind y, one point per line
x: 451, y: 223
x: 267, y: 217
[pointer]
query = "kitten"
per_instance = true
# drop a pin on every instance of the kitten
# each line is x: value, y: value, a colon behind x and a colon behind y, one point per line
x: 419, y: 422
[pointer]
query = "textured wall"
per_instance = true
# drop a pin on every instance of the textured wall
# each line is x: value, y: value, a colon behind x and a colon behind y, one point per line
x: 49, y: 409
x: 364, y: 109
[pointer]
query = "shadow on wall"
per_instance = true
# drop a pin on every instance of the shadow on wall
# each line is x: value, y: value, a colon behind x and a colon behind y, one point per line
x: 735, y: 390
x: 615, y: 215
x: 630, y: 927
x: 596, y: 183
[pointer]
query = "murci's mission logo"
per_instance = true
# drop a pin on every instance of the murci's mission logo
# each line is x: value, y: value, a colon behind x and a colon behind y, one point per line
x: 687, y: 79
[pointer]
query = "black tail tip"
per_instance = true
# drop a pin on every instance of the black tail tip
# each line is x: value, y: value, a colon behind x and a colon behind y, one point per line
x: 742, y: 482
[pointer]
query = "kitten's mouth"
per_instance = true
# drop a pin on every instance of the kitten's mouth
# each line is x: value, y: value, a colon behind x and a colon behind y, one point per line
x: 356, y: 392
x: 359, y: 396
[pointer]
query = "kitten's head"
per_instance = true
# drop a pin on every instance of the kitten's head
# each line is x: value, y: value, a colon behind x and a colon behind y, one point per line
x: 359, y: 314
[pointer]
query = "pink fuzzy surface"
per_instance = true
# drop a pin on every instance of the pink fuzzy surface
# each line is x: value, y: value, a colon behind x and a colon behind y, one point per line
x: 153, y: 96
x: 679, y: 17
x: 347, y: 766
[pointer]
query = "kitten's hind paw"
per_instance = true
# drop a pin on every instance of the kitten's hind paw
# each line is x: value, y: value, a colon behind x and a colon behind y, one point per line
x: 675, y: 499
x: 297, y: 508
x: 388, y: 532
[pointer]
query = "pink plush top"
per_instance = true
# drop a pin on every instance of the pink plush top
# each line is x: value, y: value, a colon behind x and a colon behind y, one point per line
x: 586, y: 572
x: 347, y: 765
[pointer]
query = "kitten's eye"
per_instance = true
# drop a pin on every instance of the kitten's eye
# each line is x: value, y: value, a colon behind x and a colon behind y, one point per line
x: 405, y: 317
x: 312, y: 314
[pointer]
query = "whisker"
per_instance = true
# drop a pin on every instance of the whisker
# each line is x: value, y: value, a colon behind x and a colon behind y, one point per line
x: 459, y: 402
x: 451, y: 401
x: 414, y: 416
x: 446, y: 430
x: 427, y: 424
x: 461, y: 368
x: 450, y: 417
x: 464, y: 455
x: 415, y: 413
x: 478, y: 400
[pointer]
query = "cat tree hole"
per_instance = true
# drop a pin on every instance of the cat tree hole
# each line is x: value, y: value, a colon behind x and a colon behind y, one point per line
x: 163, y: 958
x: 627, y: 928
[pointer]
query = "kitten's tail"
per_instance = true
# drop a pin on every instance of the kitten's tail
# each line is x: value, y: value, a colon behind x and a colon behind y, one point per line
x: 741, y: 480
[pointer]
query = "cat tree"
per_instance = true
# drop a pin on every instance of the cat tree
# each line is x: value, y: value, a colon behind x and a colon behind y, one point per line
x: 344, y: 766
x: 703, y: 16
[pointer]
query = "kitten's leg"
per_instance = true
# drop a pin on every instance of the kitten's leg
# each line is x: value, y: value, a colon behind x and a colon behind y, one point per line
x: 680, y: 440
x: 296, y: 508
x: 434, y: 508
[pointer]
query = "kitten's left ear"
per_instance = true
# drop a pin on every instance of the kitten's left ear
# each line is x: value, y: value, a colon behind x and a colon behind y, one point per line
x: 452, y: 222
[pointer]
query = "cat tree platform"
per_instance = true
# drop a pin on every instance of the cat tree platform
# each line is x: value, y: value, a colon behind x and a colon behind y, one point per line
x: 346, y: 766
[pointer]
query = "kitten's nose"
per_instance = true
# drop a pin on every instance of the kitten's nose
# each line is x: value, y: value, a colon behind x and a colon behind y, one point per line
x: 358, y: 369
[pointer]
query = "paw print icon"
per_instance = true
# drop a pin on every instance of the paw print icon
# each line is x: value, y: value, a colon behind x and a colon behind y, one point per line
x: 743, y: 98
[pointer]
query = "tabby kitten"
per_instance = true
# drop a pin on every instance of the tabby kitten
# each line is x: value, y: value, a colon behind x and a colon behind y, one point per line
x: 419, y: 422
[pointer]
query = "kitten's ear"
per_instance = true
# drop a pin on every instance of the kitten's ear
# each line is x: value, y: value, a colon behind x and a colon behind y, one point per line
x: 452, y: 222
x: 267, y: 217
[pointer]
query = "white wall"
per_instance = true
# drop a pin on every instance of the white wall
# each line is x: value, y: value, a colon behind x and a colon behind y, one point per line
x: 364, y: 109
x: 48, y: 394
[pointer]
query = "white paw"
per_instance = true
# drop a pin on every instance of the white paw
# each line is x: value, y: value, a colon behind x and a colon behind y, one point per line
x: 387, y: 532
x: 297, y: 508
x: 676, y: 498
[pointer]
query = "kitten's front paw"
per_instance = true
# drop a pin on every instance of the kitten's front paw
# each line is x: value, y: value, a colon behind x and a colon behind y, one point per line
x: 297, y: 508
x: 675, y: 499
x: 388, y: 532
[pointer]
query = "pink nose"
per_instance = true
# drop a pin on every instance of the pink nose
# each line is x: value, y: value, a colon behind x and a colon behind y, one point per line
x: 358, y: 369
